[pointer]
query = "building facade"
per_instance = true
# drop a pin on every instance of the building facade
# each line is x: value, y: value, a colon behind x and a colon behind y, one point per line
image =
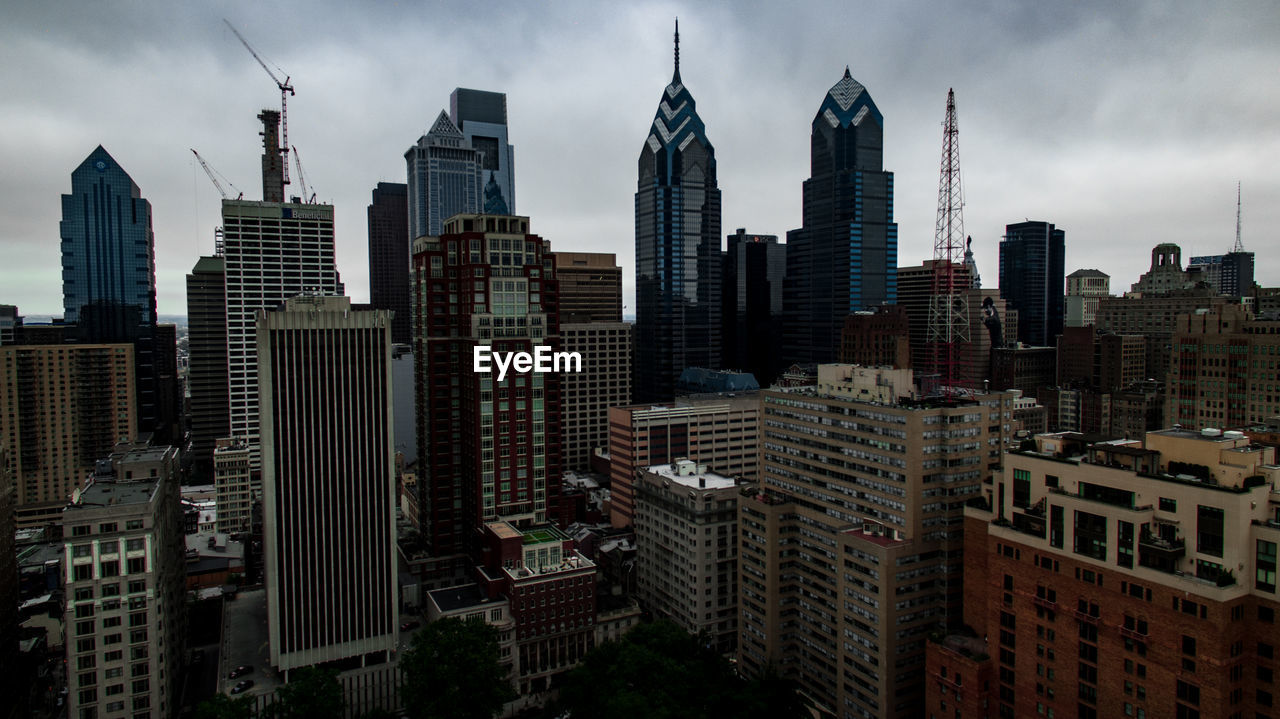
x: 1085, y: 289
x: 481, y: 116
x: 1032, y: 257
x: 877, y: 337
x: 328, y: 483
x: 845, y: 256
x: 207, y: 367
x: 1126, y: 578
x: 686, y: 524
x: 1230, y: 274
x: 590, y: 287
x: 1225, y: 369
x: 604, y: 382
x: 1154, y: 316
x: 721, y: 432
x: 123, y: 568
x: 236, y: 485
x: 678, y: 284
x: 62, y: 408
x: 851, y: 548
x: 755, y: 267
x: 389, y: 256
x: 444, y: 178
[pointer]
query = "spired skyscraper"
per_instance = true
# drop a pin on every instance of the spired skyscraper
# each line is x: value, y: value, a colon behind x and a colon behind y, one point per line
x: 677, y: 247
x: 845, y: 256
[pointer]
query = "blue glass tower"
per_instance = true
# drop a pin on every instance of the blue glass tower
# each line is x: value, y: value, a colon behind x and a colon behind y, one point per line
x: 845, y: 256
x: 108, y: 250
x: 677, y: 247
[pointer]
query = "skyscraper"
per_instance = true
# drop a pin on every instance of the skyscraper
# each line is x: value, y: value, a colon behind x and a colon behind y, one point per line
x: 273, y: 251
x: 755, y: 267
x: 108, y: 248
x: 328, y: 482
x: 389, y: 256
x: 1032, y: 279
x: 445, y: 178
x: 207, y: 360
x: 489, y: 448
x: 482, y: 117
x: 845, y: 256
x: 677, y: 247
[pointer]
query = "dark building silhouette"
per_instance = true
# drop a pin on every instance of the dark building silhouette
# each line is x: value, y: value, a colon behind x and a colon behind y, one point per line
x: 210, y: 405
x: 845, y: 257
x: 1032, y: 279
x: 876, y: 338
x: 755, y: 267
x: 590, y: 286
x: 677, y: 247
x: 389, y: 256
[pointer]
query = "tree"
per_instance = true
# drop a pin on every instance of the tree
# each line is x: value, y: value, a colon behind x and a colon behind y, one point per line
x: 221, y: 706
x: 452, y: 670
x: 312, y: 693
x: 660, y: 671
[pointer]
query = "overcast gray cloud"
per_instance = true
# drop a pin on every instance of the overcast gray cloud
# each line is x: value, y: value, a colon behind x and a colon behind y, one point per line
x: 1127, y: 124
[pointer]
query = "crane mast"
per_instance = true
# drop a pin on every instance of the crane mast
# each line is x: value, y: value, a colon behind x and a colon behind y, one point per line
x: 285, y: 91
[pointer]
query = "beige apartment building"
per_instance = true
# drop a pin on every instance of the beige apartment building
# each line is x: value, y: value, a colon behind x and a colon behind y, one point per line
x: 1225, y: 369
x: 234, y: 485
x: 62, y: 408
x: 586, y: 396
x: 851, y: 548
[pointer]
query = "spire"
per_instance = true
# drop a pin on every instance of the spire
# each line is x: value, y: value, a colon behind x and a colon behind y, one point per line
x: 675, y: 79
x: 846, y: 72
x: 1239, y: 245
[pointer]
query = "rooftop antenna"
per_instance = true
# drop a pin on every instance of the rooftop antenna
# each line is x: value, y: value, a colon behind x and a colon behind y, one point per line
x: 1239, y: 245
x: 677, y: 48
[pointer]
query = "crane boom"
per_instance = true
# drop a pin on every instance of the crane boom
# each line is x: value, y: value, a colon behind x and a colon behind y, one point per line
x: 285, y: 91
x: 213, y: 177
x: 308, y: 197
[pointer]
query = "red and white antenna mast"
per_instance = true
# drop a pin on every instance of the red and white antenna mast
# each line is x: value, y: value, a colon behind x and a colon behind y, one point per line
x: 948, y: 307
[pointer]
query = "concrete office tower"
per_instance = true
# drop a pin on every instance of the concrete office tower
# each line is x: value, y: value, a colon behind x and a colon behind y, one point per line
x: 1032, y: 255
x: 590, y: 286
x: 62, y: 408
x: 851, y: 549
x: 389, y: 256
x: 124, y: 565
x: 604, y: 382
x: 1224, y: 370
x: 235, y: 485
x: 845, y: 256
x: 489, y: 449
x: 274, y: 251
x: 1230, y: 274
x: 108, y: 249
x: 686, y: 524
x: 755, y: 267
x: 677, y: 247
x: 328, y: 483
x: 444, y: 178
x: 1124, y: 578
x: 482, y: 117
x: 1085, y: 289
x: 1154, y: 315
x: 720, y: 431
x: 875, y: 338
x: 210, y: 408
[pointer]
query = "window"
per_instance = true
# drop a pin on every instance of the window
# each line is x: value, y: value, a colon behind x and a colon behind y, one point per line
x: 1091, y: 535
x: 1209, y: 525
x: 1021, y: 488
x: 1266, y: 563
x: 1168, y: 505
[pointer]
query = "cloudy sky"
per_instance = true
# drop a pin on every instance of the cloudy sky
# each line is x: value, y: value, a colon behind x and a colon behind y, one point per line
x: 1126, y: 124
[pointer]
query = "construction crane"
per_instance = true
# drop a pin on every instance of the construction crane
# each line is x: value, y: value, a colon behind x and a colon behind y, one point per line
x: 302, y: 180
x: 285, y: 91
x: 214, y: 177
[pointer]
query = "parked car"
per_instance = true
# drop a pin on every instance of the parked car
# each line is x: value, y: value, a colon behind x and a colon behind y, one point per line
x: 242, y: 686
x: 240, y: 671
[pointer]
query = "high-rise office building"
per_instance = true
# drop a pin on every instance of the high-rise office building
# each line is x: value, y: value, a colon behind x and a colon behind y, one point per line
x: 755, y: 267
x: 851, y: 550
x: 686, y: 522
x: 489, y: 448
x: 590, y: 286
x: 678, y: 303
x: 389, y: 256
x: 482, y: 117
x: 444, y: 178
x: 328, y: 483
x: 1122, y: 578
x: 1230, y: 274
x: 124, y: 566
x: 1154, y: 315
x: 10, y: 322
x: 9, y: 600
x: 108, y: 248
x: 207, y: 378
x: 1085, y: 289
x: 235, y: 483
x: 845, y: 256
x: 875, y: 338
x: 62, y: 408
x: 1223, y: 369
x: 720, y: 431
x: 1032, y: 256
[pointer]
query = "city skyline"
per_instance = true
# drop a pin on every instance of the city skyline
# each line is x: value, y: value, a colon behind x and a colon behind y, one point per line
x: 1124, y: 126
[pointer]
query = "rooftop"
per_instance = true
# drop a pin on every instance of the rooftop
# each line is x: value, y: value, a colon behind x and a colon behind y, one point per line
x: 103, y: 494
x: 451, y: 599
x: 695, y: 479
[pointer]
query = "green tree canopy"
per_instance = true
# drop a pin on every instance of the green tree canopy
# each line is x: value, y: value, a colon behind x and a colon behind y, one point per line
x: 452, y: 671
x: 312, y: 693
x: 221, y: 706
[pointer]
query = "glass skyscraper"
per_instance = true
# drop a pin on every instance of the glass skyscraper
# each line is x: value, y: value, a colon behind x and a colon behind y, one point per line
x: 108, y: 249
x: 445, y: 178
x: 845, y: 256
x: 677, y: 247
x: 1033, y: 279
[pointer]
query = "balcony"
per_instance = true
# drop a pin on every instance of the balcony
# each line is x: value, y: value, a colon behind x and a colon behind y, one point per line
x: 1133, y: 634
x: 1161, y: 549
